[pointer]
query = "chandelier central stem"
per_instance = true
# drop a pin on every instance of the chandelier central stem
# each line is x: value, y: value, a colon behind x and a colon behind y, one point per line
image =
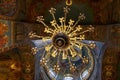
x: 68, y: 2
x: 60, y: 41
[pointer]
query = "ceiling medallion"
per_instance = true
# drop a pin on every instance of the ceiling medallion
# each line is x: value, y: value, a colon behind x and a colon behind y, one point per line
x: 64, y: 54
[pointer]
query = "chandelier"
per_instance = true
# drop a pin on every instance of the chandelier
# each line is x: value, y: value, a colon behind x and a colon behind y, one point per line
x: 63, y: 55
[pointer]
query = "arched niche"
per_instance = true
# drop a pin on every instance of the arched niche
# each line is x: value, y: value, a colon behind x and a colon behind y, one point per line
x: 41, y: 74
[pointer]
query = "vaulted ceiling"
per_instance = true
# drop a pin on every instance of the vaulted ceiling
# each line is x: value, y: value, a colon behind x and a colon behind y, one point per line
x: 21, y: 16
x: 97, y: 11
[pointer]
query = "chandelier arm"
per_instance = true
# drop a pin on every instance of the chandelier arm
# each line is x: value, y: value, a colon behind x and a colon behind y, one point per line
x: 76, y: 23
x: 41, y: 20
x: 65, y: 54
x: 55, y: 26
x: 54, y: 54
x: 33, y: 35
x: 66, y: 10
x: 73, y: 52
x: 44, y: 46
x: 75, y: 31
x: 64, y: 28
x: 44, y: 24
x: 84, y: 32
x: 68, y: 28
x: 48, y: 52
x: 62, y: 24
x: 81, y: 43
x: 48, y: 30
x: 47, y: 27
x: 79, y: 54
x: 88, y: 30
x: 79, y: 46
x: 80, y: 38
x: 46, y: 38
x: 81, y: 17
x: 38, y: 36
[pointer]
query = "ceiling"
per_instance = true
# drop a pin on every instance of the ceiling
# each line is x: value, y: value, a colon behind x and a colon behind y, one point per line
x: 96, y: 11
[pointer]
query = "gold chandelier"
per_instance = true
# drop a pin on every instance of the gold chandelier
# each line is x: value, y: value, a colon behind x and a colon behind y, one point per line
x: 65, y: 38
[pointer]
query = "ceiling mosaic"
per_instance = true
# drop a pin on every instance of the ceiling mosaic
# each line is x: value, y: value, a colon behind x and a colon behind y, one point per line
x: 98, y: 11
